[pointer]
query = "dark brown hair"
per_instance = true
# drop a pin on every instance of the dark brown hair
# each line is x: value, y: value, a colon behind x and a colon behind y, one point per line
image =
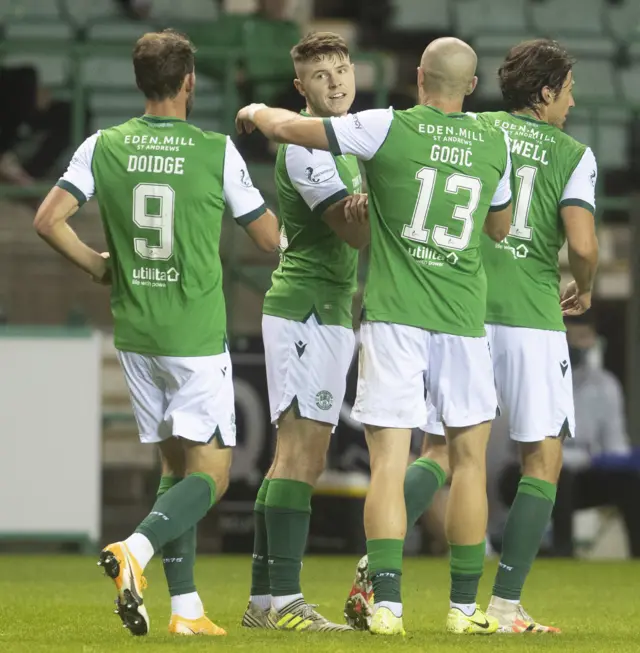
x: 318, y: 44
x: 528, y: 68
x: 161, y: 61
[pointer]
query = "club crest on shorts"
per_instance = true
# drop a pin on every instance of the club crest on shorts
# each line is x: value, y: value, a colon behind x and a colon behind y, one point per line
x: 324, y: 400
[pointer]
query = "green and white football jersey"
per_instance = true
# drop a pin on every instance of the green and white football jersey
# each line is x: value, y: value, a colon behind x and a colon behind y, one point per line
x: 317, y: 273
x: 432, y: 178
x: 550, y: 170
x: 162, y: 186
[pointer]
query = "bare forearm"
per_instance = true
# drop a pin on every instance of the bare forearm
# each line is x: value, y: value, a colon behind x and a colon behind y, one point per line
x: 64, y: 240
x: 285, y: 126
x: 583, y: 268
x: 270, y: 121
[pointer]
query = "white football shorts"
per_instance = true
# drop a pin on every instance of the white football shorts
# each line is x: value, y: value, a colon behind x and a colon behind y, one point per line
x: 533, y: 382
x: 399, y: 365
x: 307, y: 362
x: 188, y: 397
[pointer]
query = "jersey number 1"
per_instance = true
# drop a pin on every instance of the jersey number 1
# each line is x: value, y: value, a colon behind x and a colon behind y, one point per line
x: 163, y: 198
x: 417, y: 230
x: 519, y: 226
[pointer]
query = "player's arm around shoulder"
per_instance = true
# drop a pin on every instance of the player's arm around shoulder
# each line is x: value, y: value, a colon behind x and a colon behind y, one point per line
x: 246, y: 203
x: 314, y: 175
x: 75, y: 187
x: 361, y: 134
x: 498, y: 220
x: 577, y: 210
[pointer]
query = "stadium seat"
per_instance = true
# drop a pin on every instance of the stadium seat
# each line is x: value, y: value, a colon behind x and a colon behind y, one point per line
x: 411, y: 15
x: 81, y: 12
x: 52, y: 69
x: 184, y: 10
x: 29, y: 10
x: 581, y: 130
x: 41, y: 29
x: 109, y: 72
x: 623, y: 19
x: 33, y: 19
x: 498, y: 44
x: 553, y: 17
x: 588, y: 46
x: 473, y: 16
x: 611, y: 144
x: 594, y: 80
x: 488, y: 76
x: 630, y: 83
x: 118, y: 29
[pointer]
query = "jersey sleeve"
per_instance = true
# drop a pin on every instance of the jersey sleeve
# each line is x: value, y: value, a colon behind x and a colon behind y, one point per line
x: 502, y: 196
x: 581, y: 187
x: 243, y: 198
x: 78, y: 179
x: 314, y: 175
x: 361, y: 134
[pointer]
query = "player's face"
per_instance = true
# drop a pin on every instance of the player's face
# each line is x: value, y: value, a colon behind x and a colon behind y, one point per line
x: 558, y: 108
x: 328, y: 85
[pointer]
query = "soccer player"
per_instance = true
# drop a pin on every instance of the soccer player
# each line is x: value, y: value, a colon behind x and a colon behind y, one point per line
x: 308, y: 337
x: 436, y: 178
x: 162, y: 187
x: 554, y: 180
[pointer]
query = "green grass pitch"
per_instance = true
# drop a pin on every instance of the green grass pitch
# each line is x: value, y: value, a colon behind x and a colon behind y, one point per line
x: 64, y: 604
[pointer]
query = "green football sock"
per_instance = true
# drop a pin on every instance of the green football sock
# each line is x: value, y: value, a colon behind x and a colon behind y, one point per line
x: 423, y: 479
x: 260, y: 565
x: 287, y: 516
x: 467, y: 562
x: 178, y: 510
x: 179, y: 555
x: 523, y: 532
x: 385, y: 569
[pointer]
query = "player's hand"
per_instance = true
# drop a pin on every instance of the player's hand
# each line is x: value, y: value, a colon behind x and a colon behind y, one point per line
x: 356, y: 208
x: 573, y: 301
x: 244, y: 119
x: 103, y: 275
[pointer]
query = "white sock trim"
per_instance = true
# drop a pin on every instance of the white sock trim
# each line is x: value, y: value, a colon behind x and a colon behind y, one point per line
x: 394, y: 606
x: 279, y: 602
x: 140, y: 548
x: 262, y: 601
x: 187, y: 606
x: 466, y: 608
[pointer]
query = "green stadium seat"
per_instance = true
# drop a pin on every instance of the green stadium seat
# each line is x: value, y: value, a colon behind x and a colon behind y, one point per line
x: 414, y: 15
x: 266, y: 46
x: 16, y: 30
x: 118, y: 30
x: 630, y: 83
x: 588, y: 46
x: 595, y: 80
x: 487, y: 73
x: 555, y: 17
x: 184, y: 10
x: 624, y: 19
x: 108, y: 72
x: 53, y: 70
x: 473, y: 16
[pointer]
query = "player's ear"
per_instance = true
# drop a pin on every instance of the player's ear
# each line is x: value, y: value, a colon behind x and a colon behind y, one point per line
x: 299, y: 87
x: 190, y: 82
x: 547, y: 95
x: 472, y: 85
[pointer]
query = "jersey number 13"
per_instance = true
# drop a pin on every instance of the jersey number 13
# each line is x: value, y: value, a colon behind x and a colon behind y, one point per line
x: 417, y: 229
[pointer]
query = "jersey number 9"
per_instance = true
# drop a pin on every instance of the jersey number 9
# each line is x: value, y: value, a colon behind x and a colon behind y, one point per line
x: 153, y: 208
